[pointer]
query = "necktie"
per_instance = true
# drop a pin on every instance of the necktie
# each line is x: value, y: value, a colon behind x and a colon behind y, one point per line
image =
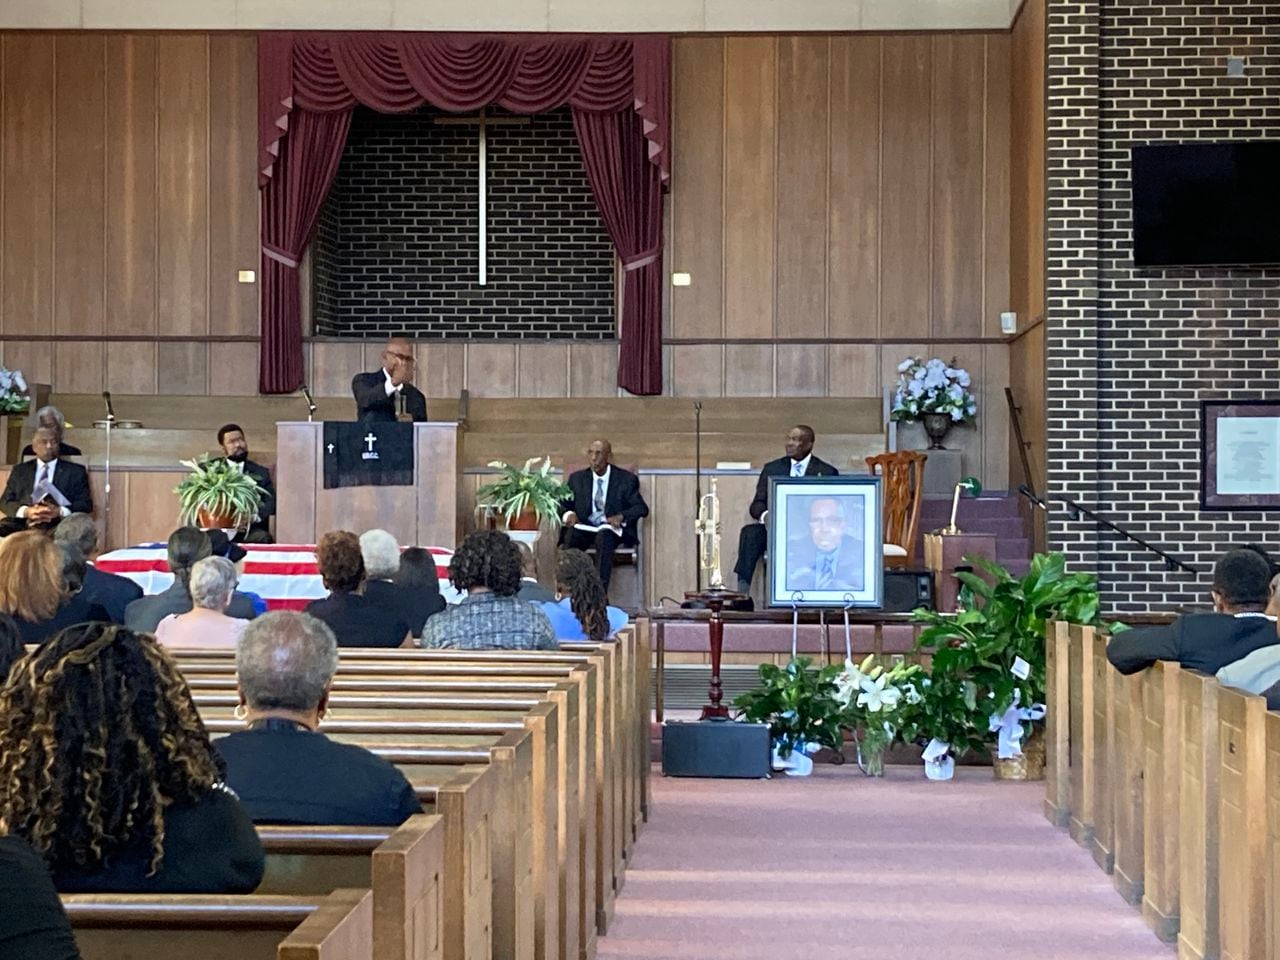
x: 797, y: 470
x: 598, y: 503
x: 44, y: 474
x: 825, y: 575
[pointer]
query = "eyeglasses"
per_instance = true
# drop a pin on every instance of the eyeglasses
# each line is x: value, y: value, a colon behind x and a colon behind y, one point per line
x: 400, y: 356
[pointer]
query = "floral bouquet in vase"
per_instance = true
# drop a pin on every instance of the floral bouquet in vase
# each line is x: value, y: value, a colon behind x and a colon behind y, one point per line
x: 14, y: 396
x: 935, y: 393
x: 874, y: 700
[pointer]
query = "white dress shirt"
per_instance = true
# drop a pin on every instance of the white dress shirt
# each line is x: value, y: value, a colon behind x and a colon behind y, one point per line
x: 804, y: 468
x: 596, y: 482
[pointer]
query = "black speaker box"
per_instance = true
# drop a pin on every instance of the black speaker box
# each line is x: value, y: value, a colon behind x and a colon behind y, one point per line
x: 904, y: 590
x: 715, y: 749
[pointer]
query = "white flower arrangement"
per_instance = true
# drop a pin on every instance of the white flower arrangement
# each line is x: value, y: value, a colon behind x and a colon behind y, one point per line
x: 873, y: 696
x: 933, y: 387
x: 14, y: 397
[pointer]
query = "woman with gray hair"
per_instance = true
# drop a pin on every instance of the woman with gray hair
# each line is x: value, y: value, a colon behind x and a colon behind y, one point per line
x: 206, y: 625
x: 281, y: 767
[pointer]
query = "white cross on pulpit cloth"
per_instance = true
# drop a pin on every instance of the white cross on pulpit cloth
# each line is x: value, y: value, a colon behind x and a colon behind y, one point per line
x: 371, y: 440
x: 482, y: 121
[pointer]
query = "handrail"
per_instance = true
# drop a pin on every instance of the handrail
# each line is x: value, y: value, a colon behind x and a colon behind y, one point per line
x: 1016, y: 420
x: 1075, y: 510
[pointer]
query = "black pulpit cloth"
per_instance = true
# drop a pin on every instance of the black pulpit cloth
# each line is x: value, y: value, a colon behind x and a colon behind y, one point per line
x: 368, y: 454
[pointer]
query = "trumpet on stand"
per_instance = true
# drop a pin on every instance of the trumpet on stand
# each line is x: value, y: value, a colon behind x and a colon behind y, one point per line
x: 707, y: 526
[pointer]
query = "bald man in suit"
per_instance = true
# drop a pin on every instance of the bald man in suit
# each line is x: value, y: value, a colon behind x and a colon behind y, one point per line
x: 388, y: 394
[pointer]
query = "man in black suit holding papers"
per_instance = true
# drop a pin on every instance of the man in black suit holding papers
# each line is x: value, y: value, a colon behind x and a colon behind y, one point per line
x: 44, y: 490
x: 603, y: 509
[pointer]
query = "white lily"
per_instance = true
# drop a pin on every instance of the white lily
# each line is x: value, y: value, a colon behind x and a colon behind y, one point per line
x: 877, y: 695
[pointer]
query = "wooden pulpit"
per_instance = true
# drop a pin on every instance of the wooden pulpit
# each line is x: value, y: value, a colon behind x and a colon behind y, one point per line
x: 943, y: 552
x: 423, y: 514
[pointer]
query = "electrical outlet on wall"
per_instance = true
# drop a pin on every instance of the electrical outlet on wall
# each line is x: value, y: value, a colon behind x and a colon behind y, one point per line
x: 1008, y: 322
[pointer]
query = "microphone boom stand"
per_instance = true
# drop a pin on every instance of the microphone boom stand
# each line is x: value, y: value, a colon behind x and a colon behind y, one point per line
x: 697, y: 486
x: 106, y: 470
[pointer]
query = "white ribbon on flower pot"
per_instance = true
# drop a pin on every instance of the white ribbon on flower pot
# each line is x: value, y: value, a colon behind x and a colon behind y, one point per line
x: 1009, y: 726
x: 797, y: 763
x: 938, y: 762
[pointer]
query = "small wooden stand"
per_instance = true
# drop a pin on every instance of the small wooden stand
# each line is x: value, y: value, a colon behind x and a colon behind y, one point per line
x: 715, y: 601
x: 943, y: 552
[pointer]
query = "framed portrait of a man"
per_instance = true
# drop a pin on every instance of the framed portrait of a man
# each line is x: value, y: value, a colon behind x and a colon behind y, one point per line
x: 825, y: 544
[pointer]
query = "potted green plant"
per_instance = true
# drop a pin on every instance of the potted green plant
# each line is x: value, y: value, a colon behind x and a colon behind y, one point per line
x: 799, y: 704
x: 874, y: 701
x: 527, y: 496
x: 216, y: 494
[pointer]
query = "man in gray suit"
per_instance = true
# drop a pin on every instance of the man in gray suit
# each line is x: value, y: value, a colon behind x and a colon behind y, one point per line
x: 186, y: 546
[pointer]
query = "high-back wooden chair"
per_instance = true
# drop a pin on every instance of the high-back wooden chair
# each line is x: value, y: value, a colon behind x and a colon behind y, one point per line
x: 903, y: 487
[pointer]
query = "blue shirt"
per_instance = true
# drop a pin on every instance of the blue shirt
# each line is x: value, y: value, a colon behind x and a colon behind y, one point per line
x: 566, y: 622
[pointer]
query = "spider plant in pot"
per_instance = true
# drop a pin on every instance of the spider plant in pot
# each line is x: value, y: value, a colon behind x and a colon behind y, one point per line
x: 216, y: 494
x: 527, y: 496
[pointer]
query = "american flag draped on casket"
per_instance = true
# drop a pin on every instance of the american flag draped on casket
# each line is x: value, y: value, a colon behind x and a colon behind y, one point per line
x: 284, y: 575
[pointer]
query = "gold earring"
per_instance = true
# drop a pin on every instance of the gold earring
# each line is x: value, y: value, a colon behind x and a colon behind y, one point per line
x: 241, y: 712
x: 326, y: 715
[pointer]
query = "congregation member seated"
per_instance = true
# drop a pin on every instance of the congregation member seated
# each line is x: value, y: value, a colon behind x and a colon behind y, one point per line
x: 1208, y: 642
x: 486, y: 567
x: 282, y: 768
x: 33, y: 924
x: 530, y: 589
x: 110, y: 591
x: 40, y: 586
x: 53, y: 478
x: 51, y: 417
x: 235, y: 449
x: 221, y: 546
x: 12, y: 649
x: 186, y: 546
x: 418, y: 580
x: 606, y: 500
x: 109, y: 773
x: 356, y: 620
x: 582, y: 614
x: 206, y: 625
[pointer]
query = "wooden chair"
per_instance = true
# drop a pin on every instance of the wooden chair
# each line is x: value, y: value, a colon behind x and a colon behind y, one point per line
x: 903, y: 474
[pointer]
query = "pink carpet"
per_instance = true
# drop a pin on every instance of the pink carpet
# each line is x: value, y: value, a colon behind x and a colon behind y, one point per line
x: 841, y: 866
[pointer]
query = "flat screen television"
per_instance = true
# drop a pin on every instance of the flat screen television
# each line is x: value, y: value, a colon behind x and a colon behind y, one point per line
x: 1206, y: 203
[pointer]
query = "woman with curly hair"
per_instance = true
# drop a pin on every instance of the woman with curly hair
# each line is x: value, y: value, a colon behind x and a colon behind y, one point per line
x: 107, y: 771
x: 487, y: 568
x: 582, y: 613
x: 355, y: 620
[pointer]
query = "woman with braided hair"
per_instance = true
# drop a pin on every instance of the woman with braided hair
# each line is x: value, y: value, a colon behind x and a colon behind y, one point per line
x: 582, y: 613
x: 106, y: 770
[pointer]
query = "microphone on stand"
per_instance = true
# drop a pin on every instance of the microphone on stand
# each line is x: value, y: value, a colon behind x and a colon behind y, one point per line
x: 1026, y: 492
x: 697, y: 482
x: 399, y: 403
x: 311, y: 404
x: 111, y: 413
x: 106, y: 468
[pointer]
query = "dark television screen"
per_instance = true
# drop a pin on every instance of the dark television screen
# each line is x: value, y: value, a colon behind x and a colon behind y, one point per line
x: 1206, y: 203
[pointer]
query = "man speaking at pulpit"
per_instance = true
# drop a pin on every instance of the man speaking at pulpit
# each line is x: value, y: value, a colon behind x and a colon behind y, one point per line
x: 388, y: 394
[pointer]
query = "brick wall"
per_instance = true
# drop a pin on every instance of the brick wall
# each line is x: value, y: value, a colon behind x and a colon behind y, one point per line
x: 1131, y: 353
x: 395, y: 252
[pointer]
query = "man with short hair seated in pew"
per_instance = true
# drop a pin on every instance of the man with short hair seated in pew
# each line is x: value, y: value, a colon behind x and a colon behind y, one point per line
x: 110, y: 775
x: 1259, y: 672
x: 1207, y: 641
x: 33, y: 925
x: 284, y: 770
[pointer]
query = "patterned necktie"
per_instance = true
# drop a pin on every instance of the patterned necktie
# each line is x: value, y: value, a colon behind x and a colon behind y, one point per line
x: 797, y: 470
x: 598, y: 503
x: 44, y: 474
x: 826, y: 575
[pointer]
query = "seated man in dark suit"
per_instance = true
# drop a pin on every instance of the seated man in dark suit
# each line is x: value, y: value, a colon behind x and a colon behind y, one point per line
x: 799, y: 462
x: 236, y: 448
x: 530, y: 588
x: 69, y: 478
x: 828, y: 558
x: 389, y: 394
x: 52, y: 417
x: 604, y: 496
x: 1208, y: 641
x: 186, y: 546
x: 109, y: 590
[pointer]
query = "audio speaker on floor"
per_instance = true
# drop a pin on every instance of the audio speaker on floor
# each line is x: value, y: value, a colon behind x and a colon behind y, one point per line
x: 715, y: 749
x: 904, y: 590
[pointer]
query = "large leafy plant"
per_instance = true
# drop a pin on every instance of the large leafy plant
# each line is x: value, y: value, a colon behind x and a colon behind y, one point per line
x: 218, y: 489
x: 799, y: 704
x: 527, y: 488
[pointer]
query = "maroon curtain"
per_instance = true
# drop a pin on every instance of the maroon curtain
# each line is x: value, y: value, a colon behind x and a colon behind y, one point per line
x: 605, y: 78
x: 308, y: 162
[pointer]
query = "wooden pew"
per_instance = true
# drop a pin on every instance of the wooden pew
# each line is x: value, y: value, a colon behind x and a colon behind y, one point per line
x: 403, y: 866
x: 1273, y: 834
x: 1242, y: 830
x: 1128, y: 753
x: 1162, y: 784
x: 1057, y: 769
x: 135, y: 926
x: 1102, y: 842
x: 1198, y: 815
x: 1080, y: 719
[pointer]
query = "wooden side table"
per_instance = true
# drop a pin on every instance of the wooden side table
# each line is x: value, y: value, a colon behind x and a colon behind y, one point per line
x: 943, y: 552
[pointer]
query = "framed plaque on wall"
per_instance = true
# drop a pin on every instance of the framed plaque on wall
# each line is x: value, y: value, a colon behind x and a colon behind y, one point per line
x: 1240, y: 455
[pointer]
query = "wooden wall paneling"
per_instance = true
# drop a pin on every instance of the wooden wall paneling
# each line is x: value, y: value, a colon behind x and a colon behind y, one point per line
x: 905, y: 196
x: 995, y: 162
x: 969, y: 438
x: 802, y: 369
x: 697, y: 186
x: 1027, y: 379
x: 1027, y: 166
x: 593, y: 369
x: 544, y: 369
x: 182, y: 367
x: 672, y: 559
x: 131, y: 367
x: 803, y: 159
x: 441, y: 369
x: 28, y: 187
x: 748, y: 370
x: 33, y: 357
x: 853, y: 370
x: 233, y: 370
x: 131, y: 184
x: 853, y: 217
x: 333, y: 364
x: 79, y: 366
x: 152, y: 507
x: 997, y: 472
x: 182, y: 183
x: 233, y: 184
x: 959, y: 64
x: 750, y: 145
x: 79, y: 240
x: 696, y: 370
x: 491, y: 369
x: 113, y: 524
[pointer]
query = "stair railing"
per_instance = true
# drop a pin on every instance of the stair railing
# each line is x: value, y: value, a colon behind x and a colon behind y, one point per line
x: 1015, y: 418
